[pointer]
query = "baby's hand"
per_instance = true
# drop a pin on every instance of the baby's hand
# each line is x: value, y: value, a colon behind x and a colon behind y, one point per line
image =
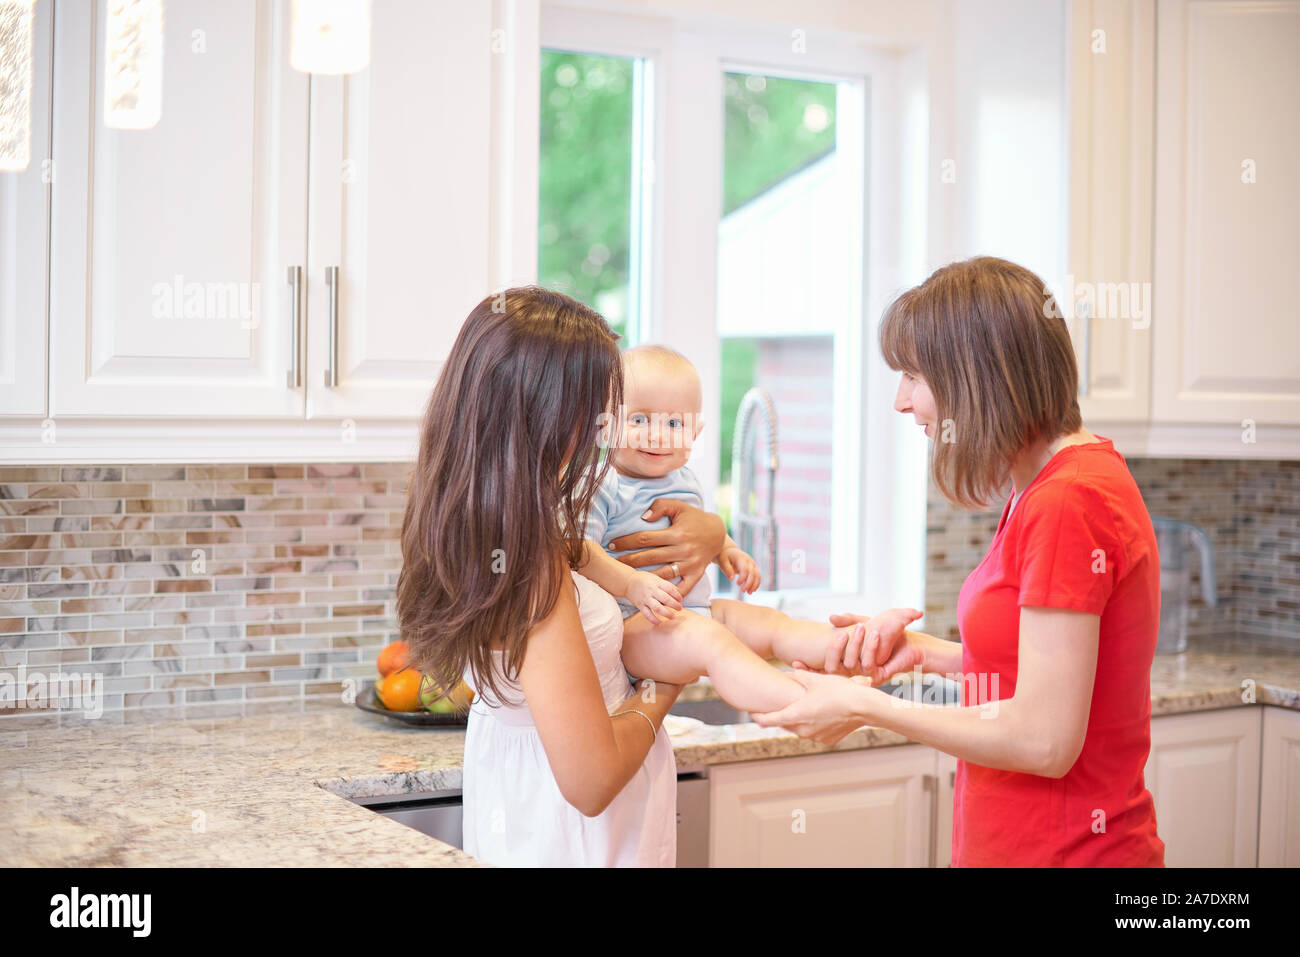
x: 740, y: 568
x: 883, y: 650
x: 654, y: 597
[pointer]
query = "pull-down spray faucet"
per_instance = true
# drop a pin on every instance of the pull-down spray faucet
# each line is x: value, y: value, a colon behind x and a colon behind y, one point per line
x: 756, y: 410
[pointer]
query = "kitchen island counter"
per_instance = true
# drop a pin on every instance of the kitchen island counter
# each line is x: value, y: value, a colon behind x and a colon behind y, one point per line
x: 272, y: 789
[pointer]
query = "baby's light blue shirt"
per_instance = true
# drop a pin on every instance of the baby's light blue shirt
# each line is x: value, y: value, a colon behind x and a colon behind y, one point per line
x: 616, y: 511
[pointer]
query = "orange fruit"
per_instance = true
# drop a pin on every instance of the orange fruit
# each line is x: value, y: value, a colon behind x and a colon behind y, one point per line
x: 394, y: 657
x: 400, y: 691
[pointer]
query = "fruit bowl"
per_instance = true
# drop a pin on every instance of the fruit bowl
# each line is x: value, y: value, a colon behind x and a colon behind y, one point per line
x: 367, y: 700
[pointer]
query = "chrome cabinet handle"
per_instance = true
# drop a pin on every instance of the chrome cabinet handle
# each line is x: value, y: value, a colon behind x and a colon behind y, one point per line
x: 332, y: 370
x: 294, y: 375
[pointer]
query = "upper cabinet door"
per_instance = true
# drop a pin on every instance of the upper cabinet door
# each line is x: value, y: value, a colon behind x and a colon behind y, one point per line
x: 170, y: 246
x: 1112, y: 96
x: 401, y: 160
x: 24, y: 219
x: 1226, y: 336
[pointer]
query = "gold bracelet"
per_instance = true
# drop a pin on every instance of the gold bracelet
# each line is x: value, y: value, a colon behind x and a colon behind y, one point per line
x: 654, y: 732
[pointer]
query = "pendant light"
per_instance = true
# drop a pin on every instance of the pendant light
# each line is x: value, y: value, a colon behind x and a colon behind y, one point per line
x: 133, y: 51
x: 15, y: 84
x: 330, y: 36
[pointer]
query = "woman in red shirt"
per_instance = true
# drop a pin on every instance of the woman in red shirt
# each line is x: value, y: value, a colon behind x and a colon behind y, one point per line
x: 1058, y: 623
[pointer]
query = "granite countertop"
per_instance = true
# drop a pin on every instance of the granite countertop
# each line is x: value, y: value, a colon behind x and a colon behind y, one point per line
x: 273, y: 789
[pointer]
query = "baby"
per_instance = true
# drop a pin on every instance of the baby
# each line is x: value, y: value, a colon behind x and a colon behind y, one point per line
x: 666, y: 635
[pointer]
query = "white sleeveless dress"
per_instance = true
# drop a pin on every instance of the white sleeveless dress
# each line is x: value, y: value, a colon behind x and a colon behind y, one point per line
x: 514, y: 813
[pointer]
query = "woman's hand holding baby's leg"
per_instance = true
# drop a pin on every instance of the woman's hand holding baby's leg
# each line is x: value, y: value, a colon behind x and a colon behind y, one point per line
x: 880, y: 647
x: 690, y: 645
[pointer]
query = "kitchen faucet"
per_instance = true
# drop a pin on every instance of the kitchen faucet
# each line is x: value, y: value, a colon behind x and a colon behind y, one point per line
x: 756, y: 405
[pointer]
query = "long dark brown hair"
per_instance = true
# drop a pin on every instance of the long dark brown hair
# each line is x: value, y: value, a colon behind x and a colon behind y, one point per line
x: 986, y: 336
x: 509, y: 462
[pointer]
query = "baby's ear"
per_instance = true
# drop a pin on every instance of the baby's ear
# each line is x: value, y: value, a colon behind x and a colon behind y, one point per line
x: 699, y: 424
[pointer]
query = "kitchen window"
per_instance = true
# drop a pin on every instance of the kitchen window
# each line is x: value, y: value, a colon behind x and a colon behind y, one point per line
x: 590, y: 181
x: 743, y: 167
x: 788, y: 291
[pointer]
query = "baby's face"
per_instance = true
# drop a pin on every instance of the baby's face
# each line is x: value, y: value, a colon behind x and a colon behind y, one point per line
x: 661, y: 419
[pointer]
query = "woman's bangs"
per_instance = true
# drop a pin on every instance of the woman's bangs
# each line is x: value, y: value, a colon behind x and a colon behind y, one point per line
x: 898, y: 337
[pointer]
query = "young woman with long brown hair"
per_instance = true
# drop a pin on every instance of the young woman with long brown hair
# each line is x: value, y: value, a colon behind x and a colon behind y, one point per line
x: 565, y: 763
x: 1058, y: 623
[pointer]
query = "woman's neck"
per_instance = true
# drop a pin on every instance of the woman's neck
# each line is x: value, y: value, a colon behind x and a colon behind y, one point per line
x: 1031, y: 460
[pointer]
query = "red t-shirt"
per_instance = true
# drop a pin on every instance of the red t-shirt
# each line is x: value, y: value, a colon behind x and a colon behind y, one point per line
x: 1079, y: 538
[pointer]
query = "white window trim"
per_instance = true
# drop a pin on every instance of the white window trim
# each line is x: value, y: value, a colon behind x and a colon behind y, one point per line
x: 878, y: 500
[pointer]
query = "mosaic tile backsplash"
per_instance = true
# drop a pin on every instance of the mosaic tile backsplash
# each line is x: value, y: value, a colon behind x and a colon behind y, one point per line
x: 237, y: 589
x: 221, y: 589
x: 1250, y: 509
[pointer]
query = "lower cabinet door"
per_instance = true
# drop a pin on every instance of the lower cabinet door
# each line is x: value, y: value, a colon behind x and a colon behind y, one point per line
x: 1279, y: 798
x: 1203, y: 772
x: 866, y: 808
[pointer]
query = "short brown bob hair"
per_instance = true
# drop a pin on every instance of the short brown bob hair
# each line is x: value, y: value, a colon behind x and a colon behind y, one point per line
x: 986, y: 336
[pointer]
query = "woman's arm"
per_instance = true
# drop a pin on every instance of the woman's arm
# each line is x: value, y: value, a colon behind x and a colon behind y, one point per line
x: 1039, y: 730
x: 938, y: 655
x: 592, y: 754
x: 693, y: 540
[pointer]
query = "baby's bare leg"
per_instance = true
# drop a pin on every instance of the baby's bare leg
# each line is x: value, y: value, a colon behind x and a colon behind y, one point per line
x: 690, y: 645
x: 774, y: 634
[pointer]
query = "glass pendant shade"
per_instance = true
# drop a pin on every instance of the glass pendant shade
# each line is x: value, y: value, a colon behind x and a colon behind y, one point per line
x: 330, y: 36
x: 133, y: 53
x: 15, y: 84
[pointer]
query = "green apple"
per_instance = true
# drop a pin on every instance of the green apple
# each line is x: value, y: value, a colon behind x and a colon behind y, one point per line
x: 432, y: 701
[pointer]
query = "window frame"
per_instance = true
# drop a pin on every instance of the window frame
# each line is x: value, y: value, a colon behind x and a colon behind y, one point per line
x: 878, y: 499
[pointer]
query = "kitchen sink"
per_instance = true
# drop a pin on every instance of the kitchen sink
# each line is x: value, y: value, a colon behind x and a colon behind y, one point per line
x: 710, y: 712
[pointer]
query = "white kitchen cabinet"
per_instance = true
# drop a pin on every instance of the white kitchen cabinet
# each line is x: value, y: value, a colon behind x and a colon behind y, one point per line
x: 872, y: 808
x: 174, y: 251
x: 1112, y: 101
x: 1185, y: 329
x: 1204, y: 774
x: 169, y: 246
x: 24, y: 205
x: 401, y: 156
x: 1226, y: 336
x: 1279, y: 799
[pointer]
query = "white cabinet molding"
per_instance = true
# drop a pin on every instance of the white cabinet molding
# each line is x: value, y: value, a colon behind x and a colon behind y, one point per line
x: 74, y: 441
x: 1188, y: 441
